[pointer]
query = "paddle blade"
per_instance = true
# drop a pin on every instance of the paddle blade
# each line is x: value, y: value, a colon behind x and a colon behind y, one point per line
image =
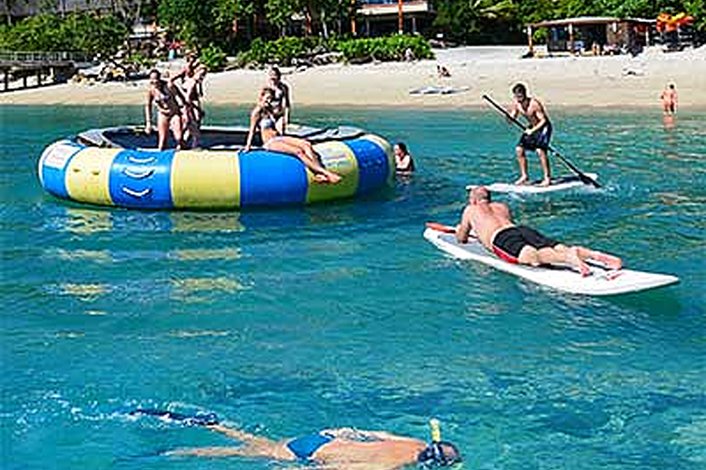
x: 441, y: 227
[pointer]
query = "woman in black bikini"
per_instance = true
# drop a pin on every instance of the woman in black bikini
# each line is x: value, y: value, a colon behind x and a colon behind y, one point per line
x: 262, y: 117
x: 167, y: 97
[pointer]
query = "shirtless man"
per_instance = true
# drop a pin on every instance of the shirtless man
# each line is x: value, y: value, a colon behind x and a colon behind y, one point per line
x: 519, y: 244
x: 537, y: 135
x: 281, y: 99
x: 670, y: 100
x: 341, y: 448
x: 193, y: 110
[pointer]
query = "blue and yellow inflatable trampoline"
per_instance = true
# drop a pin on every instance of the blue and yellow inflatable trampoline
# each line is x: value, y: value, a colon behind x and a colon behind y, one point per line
x: 119, y: 167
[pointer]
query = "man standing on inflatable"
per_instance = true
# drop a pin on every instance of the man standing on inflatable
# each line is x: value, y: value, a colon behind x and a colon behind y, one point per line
x: 537, y: 135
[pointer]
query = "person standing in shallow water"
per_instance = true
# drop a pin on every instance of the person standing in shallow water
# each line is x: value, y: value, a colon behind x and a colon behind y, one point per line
x: 669, y: 99
x: 537, y: 135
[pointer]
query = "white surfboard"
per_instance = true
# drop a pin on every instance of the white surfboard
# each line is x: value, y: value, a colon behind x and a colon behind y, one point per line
x: 600, y: 282
x: 558, y: 184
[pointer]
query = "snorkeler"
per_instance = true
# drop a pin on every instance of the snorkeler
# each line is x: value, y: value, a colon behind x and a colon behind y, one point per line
x: 337, y: 448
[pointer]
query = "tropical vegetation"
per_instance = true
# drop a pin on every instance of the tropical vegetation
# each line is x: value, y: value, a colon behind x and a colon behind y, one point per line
x: 284, y: 30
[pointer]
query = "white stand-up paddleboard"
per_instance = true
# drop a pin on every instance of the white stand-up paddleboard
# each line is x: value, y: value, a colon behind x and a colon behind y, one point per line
x: 558, y: 184
x: 601, y: 282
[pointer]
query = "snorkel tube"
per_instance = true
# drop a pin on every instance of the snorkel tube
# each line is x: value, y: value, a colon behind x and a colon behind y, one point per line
x: 434, y: 455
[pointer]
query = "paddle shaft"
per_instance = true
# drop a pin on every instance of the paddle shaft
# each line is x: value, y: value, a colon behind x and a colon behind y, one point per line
x: 582, y: 176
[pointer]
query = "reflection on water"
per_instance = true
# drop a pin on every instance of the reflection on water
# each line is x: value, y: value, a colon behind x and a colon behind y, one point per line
x: 201, y: 289
x: 206, y: 222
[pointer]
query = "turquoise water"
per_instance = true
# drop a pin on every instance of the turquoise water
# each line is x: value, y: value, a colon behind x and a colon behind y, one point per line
x: 287, y: 321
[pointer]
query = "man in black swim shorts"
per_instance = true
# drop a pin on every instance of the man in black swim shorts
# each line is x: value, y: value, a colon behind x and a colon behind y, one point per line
x: 536, y: 137
x: 492, y: 224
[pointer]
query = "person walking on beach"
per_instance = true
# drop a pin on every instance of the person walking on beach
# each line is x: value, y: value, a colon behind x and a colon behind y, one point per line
x: 263, y: 117
x: 404, y: 164
x: 281, y: 99
x: 537, y: 135
x: 669, y: 99
x: 169, y: 101
x: 518, y: 244
x: 333, y: 448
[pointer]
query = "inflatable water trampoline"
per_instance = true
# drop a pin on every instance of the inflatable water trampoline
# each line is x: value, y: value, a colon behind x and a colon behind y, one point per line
x: 121, y: 167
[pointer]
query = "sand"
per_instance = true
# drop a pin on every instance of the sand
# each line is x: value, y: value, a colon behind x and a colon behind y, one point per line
x: 611, y: 81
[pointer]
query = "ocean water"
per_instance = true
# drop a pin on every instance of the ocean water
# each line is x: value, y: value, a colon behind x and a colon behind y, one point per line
x: 284, y: 321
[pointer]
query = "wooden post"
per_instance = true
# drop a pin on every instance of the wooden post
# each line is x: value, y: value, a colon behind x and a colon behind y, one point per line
x: 24, y: 80
x: 6, y: 73
x: 39, y: 76
x: 400, y: 17
x: 571, y: 39
x: 530, y: 44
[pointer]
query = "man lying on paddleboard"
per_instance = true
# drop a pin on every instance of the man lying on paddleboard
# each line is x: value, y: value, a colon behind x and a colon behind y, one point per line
x: 518, y: 244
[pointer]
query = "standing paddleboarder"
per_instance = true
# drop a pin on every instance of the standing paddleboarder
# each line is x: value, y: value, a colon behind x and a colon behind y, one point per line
x: 536, y: 137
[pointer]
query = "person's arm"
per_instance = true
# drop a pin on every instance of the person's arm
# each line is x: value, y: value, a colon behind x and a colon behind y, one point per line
x: 464, y: 228
x: 513, y: 111
x: 541, y: 117
x: 287, y: 108
x: 148, y: 112
x: 254, y: 116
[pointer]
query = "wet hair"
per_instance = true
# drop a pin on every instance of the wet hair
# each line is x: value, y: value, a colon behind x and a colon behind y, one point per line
x: 671, y: 85
x: 266, y: 91
x: 275, y: 70
x: 439, y: 454
x: 402, y: 147
x: 519, y: 89
x: 153, y: 71
x: 480, y: 193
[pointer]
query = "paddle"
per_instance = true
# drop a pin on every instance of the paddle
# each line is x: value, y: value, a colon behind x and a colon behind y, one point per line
x: 585, y: 179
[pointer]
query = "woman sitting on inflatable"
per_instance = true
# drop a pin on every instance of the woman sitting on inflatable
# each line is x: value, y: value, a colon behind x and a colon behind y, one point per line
x: 263, y: 117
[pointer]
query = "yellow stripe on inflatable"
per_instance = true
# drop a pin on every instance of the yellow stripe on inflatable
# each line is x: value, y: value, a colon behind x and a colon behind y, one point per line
x: 339, y: 158
x: 205, y: 180
x: 387, y: 148
x: 88, y: 175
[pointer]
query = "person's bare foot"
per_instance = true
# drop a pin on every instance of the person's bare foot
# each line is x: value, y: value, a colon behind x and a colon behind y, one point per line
x: 545, y: 182
x: 522, y: 181
x: 578, y: 263
x: 613, y: 262
x: 333, y: 178
x: 320, y: 178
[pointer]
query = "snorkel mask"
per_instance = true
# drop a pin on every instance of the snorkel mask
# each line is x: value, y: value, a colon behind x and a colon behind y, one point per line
x: 434, y: 455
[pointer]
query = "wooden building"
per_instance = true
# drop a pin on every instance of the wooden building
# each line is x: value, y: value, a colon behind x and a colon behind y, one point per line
x: 596, y: 35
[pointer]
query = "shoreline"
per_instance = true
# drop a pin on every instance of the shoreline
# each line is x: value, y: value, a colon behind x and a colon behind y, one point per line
x: 605, y: 82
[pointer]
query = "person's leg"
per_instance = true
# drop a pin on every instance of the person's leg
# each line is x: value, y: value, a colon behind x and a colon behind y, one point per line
x: 522, y: 163
x: 162, y: 131
x: 311, y: 154
x: 564, y: 255
x: 608, y: 260
x: 544, y: 161
x: 177, y: 126
x: 293, y: 146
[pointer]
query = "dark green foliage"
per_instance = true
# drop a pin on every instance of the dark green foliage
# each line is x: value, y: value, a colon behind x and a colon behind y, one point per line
x: 283, y: 51
x: 385, y: 48
x: 213, y: 58
x: 77, y: 32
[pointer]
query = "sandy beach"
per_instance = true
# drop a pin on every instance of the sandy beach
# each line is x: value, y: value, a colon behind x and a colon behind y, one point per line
x: 610, y: 81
